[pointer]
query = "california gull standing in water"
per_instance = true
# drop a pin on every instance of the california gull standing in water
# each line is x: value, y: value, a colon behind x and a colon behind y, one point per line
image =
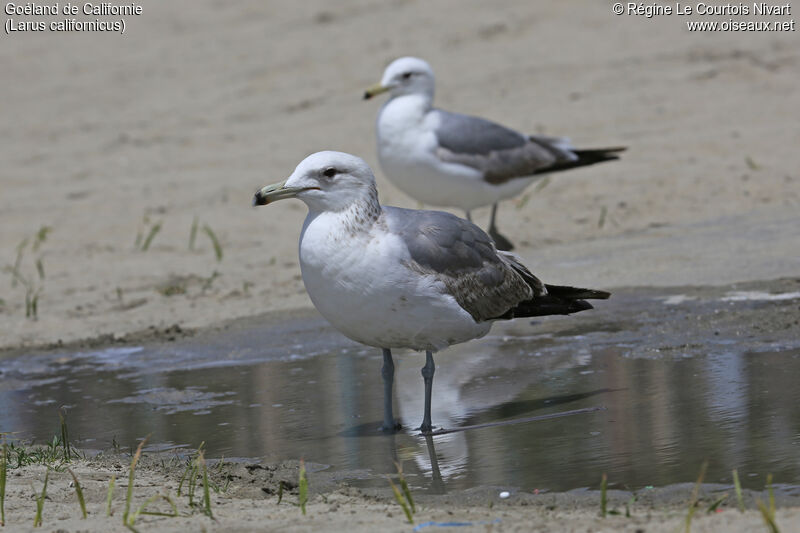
x: 448, y: 159
x: 402, y: 278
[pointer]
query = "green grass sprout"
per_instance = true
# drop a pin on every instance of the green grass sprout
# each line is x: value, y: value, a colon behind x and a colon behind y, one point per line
x: 403, y: 494
x: 110, y: 495
x: 78, y: 492
x: 206, y: 496
x: 3, y: 470
x: 544, y: 182
x: 150, y: 236
x: 602, y: 220
x: 302, y: 496
x: 628, y: 506
x: 769, y: 519
x: 771, y: 496
x: 193, y: 233
x: 404, y: 486
x: 142, y: 510
x: 604, y: 495
x: 131, y: 476
x: 402, y: 501
x: 19, y: 275
x: 37, y: 520
x: 522, y: 202
x: 65, y: 446
x: 693, y: 499
x: 738, y: 488
x: 214, y: 241
x: 713, y: 507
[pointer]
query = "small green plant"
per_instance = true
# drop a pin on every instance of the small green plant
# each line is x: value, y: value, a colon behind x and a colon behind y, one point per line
x: 771, y: 496
x: 403, y: 495
x: 3, y: 470
x: 769, y: 519
x: 302, y: 496
x: 144, y: 240
x: 768, y: 512
x: 715, y: 505
x: 603, y: 495
x: 738, y: 488
x: 209, y: 233
x: 602, y: 220
x: 33, y: 284
x: 693, y: 499
x: 78, y: 492
x: 207, y: 282
x: 66, y: 448
x: 193, y: 233
x: 751, y: 164
x: 246, y: 286
x: 131, y: 476
x: 37, y: 520
x: 50, y: 454
x: 197, y: 468
x: 142, y: 510
x: 110, y: 495
x: 544, y: 182
x: 206, y: 496
x: 628, y: 506
x: 214, y: 241
x: 522, y: 202
x: 280, y: 492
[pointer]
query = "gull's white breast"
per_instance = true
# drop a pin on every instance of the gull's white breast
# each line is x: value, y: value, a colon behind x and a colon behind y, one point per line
x: 407, y: 148
x: 359, y: 282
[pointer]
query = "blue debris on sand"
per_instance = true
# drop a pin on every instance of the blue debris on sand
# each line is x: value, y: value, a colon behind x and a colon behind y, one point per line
x: 455, y: 524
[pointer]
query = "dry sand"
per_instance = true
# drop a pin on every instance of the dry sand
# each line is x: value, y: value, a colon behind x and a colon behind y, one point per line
x: 200, y: 103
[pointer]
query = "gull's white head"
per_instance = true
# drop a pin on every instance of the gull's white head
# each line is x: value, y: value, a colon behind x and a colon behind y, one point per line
x: 325, y: 181
x: 407, y: 75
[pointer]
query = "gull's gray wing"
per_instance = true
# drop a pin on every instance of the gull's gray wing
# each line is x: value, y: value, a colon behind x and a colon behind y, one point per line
x: 499, y: 153
x: 485, y: 282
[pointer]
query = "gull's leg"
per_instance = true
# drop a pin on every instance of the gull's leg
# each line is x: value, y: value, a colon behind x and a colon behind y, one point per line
x: 427, y: 375
x: 387, y: 371
x: 501, y: 242
x: 469, y: 215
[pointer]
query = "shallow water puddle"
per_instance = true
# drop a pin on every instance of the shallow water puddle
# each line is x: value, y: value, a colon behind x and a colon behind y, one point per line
x: 706, y: 377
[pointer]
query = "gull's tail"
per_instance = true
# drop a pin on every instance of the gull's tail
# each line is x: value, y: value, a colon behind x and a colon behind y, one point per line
x: 559, y: 300
x: 585, y: 158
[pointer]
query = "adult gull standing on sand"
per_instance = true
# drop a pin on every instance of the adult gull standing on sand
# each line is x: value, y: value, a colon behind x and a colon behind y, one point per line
x: 402, y: 278
x: 448, y: 159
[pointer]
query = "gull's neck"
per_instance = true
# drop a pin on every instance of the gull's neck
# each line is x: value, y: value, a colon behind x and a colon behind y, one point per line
x: 409, y: 106
x: 357, y: 217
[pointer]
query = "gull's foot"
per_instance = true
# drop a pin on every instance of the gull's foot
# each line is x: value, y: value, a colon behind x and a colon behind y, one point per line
x: 500, y: 241
x: 425, y: 429
x: 391, y: 429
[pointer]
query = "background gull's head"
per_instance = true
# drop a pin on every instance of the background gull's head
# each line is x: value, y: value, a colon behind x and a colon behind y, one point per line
x: 406, y: 75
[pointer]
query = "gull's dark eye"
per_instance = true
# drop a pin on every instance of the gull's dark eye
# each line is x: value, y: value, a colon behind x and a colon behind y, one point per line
x: 407, y: 75
x: 330, y: 172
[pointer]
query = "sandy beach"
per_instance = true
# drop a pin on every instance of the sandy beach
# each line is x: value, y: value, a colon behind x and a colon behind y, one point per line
x: 130, y: 161
x: 195, y: 106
